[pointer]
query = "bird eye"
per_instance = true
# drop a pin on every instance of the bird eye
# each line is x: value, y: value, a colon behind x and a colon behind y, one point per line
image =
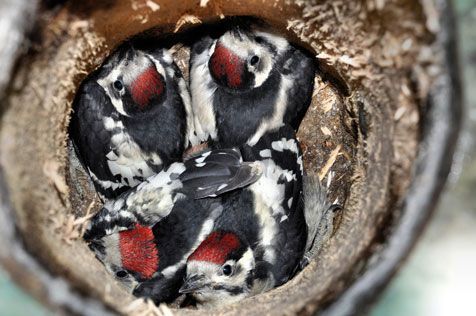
x: 259, y: 39
x: 118, y: 85
x: 227, y: 269
x: 254, y: 60
x: 121, y: 274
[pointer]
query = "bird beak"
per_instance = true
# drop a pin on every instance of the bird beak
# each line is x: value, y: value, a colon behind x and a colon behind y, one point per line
x: 193, y: 284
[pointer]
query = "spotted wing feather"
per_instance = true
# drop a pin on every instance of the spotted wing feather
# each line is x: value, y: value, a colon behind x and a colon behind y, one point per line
x: 217, y: 172
x: 91, y: 139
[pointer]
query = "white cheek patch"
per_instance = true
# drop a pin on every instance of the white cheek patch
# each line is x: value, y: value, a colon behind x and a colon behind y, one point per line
x: 129, y: 70
x: 112, y: 256
x: 106, y: 84
x: 208, y: 269
x: 267, y: 64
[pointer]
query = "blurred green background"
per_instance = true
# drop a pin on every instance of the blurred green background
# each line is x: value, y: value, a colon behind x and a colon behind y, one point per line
x: 439, y: 278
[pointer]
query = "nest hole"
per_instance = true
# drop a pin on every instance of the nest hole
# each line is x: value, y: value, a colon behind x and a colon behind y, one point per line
x: 360, y: 135
x: 329, y: 132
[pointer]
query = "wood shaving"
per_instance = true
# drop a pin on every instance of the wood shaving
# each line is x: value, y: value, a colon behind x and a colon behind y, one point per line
x: 186, y: 19
x: 79, y: 27
x: 330, y: 162
x: 51, y: 170
x: 407, y: 44
x: 406, y: 90
x: 380, y: 4
x: 152, y: 5
x: 348, y: 60
x: 328, y: 105
x: 70, y: 227
x: 203, y: 3
x: 137, y: 5
x: 399, y: 113
x: 146, y: 307
x: 326, y: 131
x: 432, y: 16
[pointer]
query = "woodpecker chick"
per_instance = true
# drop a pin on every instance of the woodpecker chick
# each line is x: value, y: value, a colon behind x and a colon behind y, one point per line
x: 131, y: 117
x: 246, y: 83
x: 259, y: 240
x: 220, y: 271
x: 145, y: 236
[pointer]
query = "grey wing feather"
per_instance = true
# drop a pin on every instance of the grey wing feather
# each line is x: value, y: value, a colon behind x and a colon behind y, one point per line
x: 319, y: 215
x: 218, y: 172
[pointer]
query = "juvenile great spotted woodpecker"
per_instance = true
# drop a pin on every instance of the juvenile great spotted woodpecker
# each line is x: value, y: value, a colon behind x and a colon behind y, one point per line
x: 258, y: 241
x: 246, y: 83
x: 145, y: 236
x: 131, y: 117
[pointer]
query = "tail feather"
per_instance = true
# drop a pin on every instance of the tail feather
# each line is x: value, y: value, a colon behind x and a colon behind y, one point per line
x: 319, y: 215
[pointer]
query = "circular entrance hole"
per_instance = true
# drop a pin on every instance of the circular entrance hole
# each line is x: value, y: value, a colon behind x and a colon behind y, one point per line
x: 380, y: 71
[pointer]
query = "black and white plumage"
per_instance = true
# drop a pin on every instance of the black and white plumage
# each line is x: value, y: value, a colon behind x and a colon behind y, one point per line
x: 258, y: 241
x: 246, y: 83
x: 145, y: 236
x: 251, y: 89
x: 131, y: 117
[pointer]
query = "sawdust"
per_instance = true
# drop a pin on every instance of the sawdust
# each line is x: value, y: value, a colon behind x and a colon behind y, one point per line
x: 186, y: 19
x: 146, y: 307
x: 140, y: 4
x: 330, y: 162
x: 70, y: 227
x: 52, y: 170
x: 203, y: 3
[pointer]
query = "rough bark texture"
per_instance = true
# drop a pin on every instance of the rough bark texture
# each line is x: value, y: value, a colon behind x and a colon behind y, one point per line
x: 361, y: 134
